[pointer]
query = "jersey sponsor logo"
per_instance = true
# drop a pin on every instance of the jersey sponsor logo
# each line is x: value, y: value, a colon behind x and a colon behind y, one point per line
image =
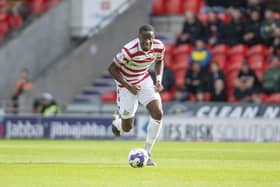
x: 126, y: 113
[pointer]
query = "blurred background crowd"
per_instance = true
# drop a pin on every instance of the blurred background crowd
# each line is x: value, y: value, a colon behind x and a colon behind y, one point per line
x: 14, y: 14
x: 226, y: 50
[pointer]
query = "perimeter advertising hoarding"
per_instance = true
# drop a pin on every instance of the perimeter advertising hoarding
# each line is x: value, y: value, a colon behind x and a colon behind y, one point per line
x: 225, y: 110
x: 58, y: 127
x: 182, y: 128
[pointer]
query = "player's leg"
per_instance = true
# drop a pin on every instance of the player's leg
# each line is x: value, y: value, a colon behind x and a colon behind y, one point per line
x: 127, y: 104
x: 151, y: 99
x: 155, y: 110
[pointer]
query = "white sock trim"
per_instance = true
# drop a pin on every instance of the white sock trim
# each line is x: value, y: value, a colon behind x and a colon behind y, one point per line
x: 152, y: 134
x: 118, y: 123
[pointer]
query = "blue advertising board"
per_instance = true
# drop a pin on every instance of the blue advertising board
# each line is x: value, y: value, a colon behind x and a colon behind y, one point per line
x: 58, y: 127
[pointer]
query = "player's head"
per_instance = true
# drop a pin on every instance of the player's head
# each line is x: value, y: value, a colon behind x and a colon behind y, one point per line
x: 24, y: 74
x: 146, y: 36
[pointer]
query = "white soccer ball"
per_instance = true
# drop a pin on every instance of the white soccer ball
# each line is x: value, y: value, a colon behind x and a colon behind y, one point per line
x: 138, y: 157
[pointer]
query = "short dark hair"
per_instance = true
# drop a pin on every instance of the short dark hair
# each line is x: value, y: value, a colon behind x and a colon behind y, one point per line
x: 146, y: 28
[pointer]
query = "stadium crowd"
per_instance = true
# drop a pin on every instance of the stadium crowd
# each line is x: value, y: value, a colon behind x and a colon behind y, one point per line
x: 226, y: 51
x: 15, y: 13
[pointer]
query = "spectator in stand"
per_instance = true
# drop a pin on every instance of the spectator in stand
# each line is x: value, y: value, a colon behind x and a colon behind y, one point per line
x: 219, y: 94
x: 15, y: 19
x: 194, y: 82
x: 201, y: 55
x: 258, y: 5
x: 252, y: 30
x: 168, y: 80
x: 213, y: 29
x: 271, y: 77
x: 276, y: 42
x: 22, y: 85
x: 49, y: 105
x: 216, y: 83
x: 22, y: 9
x: 247, y: 85
x: 232, y: 33
x: 192, y: 29
x: 268, y: 27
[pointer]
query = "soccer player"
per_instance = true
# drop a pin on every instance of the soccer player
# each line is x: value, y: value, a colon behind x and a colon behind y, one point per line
x: 134, y: 84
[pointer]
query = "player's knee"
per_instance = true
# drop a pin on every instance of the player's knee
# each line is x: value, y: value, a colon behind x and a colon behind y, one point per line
x: 127, y: 125
x: 127, y: 128
x: 157, y: 115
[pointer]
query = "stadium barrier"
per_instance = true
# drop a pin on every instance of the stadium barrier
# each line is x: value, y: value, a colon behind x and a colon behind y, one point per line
x: 61, y: 127
x: 182, y: 122
x: 182, y: 128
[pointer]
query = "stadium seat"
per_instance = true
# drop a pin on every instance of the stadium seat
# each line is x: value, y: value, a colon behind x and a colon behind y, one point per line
x: 174, y: 7
x: 256, y: 65
x: 180, y: 78
x: 158, y: 7
x: 36, y: 6
x: 191, y: 5
x: 273, y: 99
x: 168, y: 96
x: 109, y: 97
x: 238, y: 49
x: 219, y: 55
x: 15, y: 22
x: 220, y: 59
x: 168, y: 58
x: 257, y: 49
x: 181, y: 65
x: 230, y: 81
x: 234, y: 65
x: 220, y: 49
x: 53, y: 3
x: 185, y: 48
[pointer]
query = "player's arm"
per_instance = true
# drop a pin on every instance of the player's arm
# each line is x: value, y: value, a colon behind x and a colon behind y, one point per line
x: 114, y: 71
x: 159, y: 64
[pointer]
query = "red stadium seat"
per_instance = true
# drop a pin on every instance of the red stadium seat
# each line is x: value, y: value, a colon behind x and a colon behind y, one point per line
x: 256, y: 58
x: 109, y: 97
x: 168, y: 95
x: 219, y: 55
x: 53, y: 3
x: 257, y: 49
x: 180, y: 79
x: 191, y: 5
x: 257, y: 65
x: 174, y: 7
x: 220, y: 59
x: 220, y: 49
x: 234, y: 65
x: 2, y: 3
x: 230, y: 81
x: 181, y: 65
x: 185, y: 48
x: 238, y: 49
x: 273, y: 99
x: 36, y: 6
x: 15, y: 22
x: 168, y: 57
x: 158, y: 7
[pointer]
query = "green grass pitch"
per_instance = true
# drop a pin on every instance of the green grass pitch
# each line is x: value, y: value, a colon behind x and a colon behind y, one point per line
x: 46, y: 163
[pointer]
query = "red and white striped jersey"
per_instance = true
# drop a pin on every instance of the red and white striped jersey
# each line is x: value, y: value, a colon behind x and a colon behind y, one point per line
x: 134, y: 63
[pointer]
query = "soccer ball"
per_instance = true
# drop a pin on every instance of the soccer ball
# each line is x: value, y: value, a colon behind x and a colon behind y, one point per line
x: 138, y: 157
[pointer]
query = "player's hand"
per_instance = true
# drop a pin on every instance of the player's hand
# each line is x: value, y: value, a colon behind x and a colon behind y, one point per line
x: 158, y: 86
x: 134, y: 89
